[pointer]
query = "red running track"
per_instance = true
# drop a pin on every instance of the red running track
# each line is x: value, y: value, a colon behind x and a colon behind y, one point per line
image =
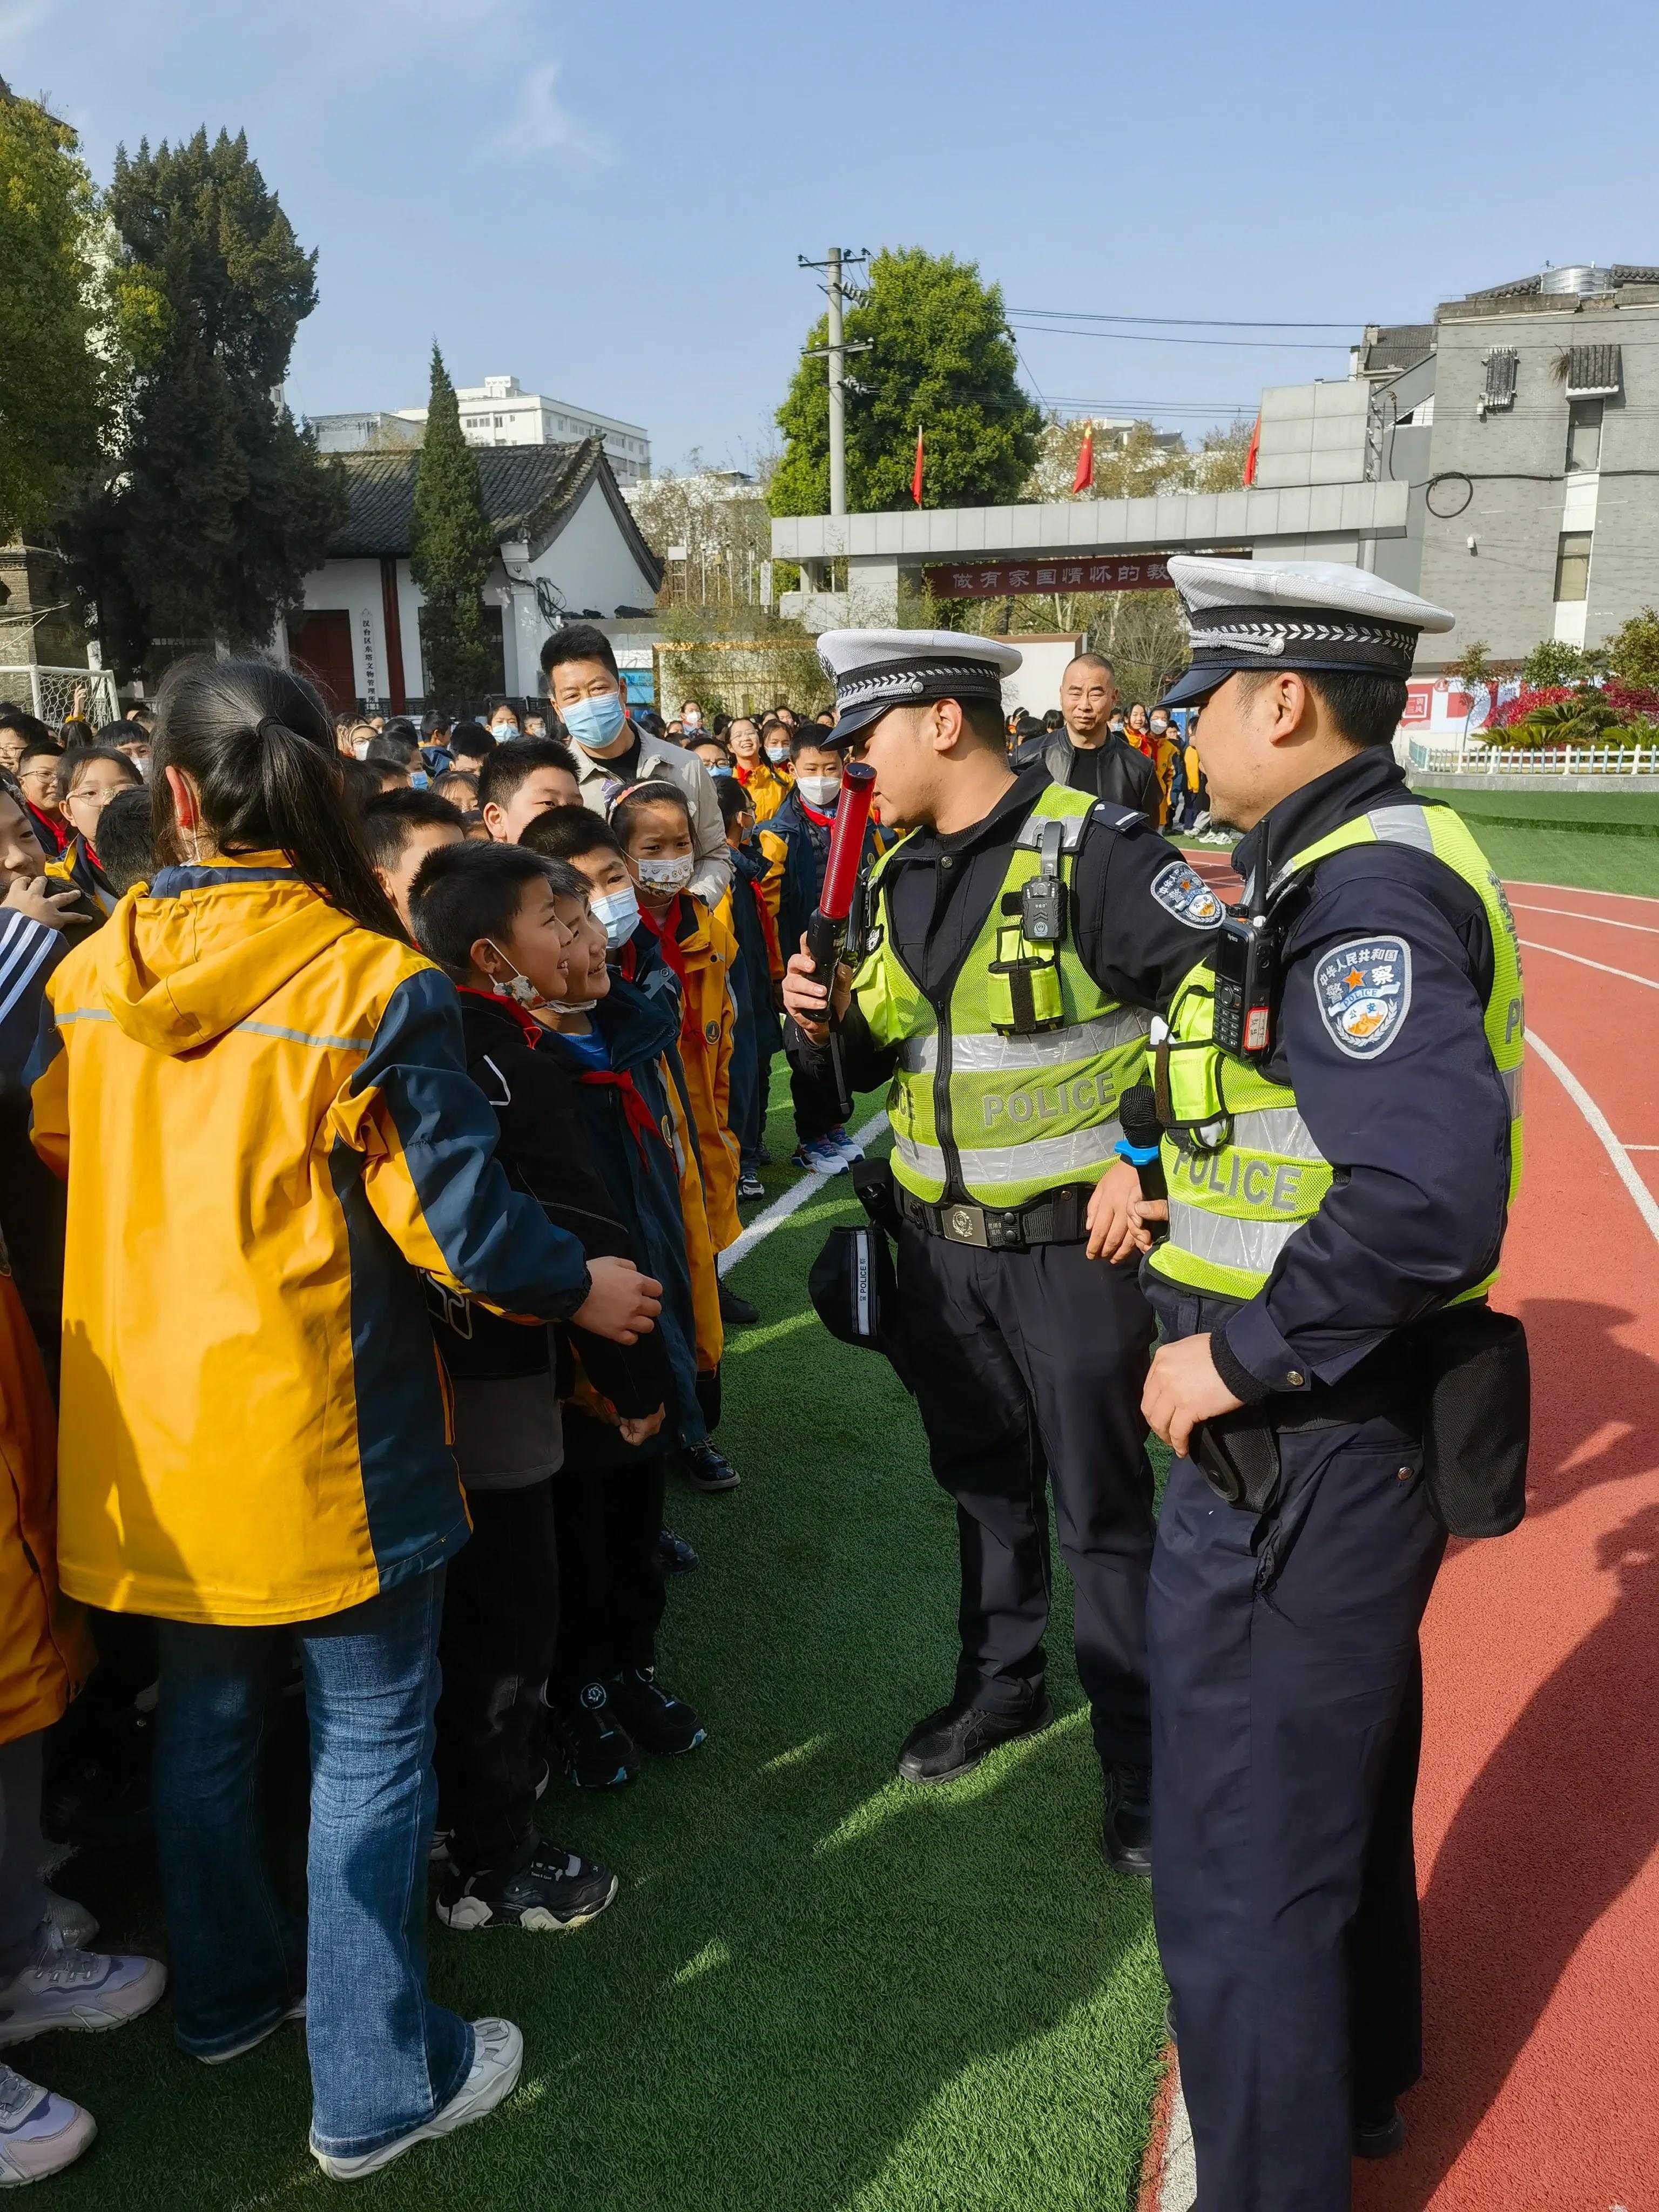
x: 1538, y: 1814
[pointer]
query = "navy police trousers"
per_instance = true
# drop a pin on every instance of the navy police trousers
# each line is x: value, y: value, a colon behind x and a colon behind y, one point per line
x: 1286, y: 1718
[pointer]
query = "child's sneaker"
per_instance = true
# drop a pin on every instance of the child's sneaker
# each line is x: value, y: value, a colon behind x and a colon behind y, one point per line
x: 749, y: 1187
x: 675, y: 1556
x: 819, y: 1157
x: 497, y: 2060
x: 598, y: 1752
x: 87, y: 1990
x: 41, y: 2134
x: 706, y: 1468
x: 659, y: 1723
x: 555, y: 1890
x: 845, y: 1145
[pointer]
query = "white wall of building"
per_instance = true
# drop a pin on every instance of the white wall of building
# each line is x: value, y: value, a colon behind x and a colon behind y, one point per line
x: 589, y: 564
x: 356, y: 585
x: 498, y: 412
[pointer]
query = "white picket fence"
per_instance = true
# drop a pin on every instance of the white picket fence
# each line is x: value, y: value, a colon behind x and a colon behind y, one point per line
x: 1466, y: 757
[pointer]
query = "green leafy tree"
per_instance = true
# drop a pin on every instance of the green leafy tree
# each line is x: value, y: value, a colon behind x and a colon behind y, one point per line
x: 60, y: 357
x: 1551, y: 662
x: 451, y: 549
x: 1632, y: 651
x: 941, y: 360
x: 214, y: 505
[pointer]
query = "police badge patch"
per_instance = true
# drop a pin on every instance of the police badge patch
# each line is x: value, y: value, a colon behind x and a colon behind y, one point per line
x: 1186, y: 896
x: 1365, y: 988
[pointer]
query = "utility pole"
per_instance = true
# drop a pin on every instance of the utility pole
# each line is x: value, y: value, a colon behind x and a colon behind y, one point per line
x: 840, y: 258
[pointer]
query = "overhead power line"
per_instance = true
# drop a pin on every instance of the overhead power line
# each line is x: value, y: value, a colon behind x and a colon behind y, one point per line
x: 1183, y: 322
x: 1146, y: 338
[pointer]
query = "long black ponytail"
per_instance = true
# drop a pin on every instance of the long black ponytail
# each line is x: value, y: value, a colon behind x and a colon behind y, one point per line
x: 257, y: 743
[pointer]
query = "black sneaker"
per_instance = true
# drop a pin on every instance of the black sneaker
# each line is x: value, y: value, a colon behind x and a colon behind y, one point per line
x: 1125, y: 1834
x: 1379, y: 2134
x: 598, y: 1752
x: 658, y: 1723
x: 734, y: 1309
x: 707, y: 1469
x: 953, y: 1741
x: 763, y: 1158
x: 749, y: 1187
x: 675, y: 1556
x: 556, y: 1890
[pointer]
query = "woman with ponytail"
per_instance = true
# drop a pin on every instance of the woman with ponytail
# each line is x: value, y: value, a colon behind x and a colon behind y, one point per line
x: 255, y: 1089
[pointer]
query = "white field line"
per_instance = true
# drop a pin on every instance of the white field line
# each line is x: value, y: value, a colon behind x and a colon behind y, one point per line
x: 1580, y: 891
x: 1568, y: 913
x: 1646, y: 1204
x: 1649, y: 982
x: 797, y: 1195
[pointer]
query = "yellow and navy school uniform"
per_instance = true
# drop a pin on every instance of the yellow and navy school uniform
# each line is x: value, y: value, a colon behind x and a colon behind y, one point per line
x: 1004, y: 1059
x: 768, y: 784
x: 77, y: 866
x: 262, y: 1112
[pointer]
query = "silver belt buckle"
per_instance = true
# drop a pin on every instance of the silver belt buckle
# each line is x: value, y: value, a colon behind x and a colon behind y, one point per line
x: 964, y: 1225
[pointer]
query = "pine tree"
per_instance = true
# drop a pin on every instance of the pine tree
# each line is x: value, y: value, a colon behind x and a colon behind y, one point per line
x: 215, y: 506
x: 451, y: 549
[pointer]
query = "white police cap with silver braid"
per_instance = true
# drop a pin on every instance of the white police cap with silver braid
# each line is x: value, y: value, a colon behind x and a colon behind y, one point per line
x: 1321, y: 616
x: 875, y: 669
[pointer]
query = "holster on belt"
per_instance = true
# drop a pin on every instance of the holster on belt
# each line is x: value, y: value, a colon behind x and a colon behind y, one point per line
x: 1237, y: 1454
x: 1475, y: 1380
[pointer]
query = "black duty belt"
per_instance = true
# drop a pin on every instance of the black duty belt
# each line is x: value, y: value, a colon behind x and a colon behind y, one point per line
x: 1059, y: 1216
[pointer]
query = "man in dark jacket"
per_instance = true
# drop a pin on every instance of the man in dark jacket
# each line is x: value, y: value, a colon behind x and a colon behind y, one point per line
x: 1085, y: 754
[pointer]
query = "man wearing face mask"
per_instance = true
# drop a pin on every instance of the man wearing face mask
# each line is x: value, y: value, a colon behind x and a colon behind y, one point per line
x: 585, y: 689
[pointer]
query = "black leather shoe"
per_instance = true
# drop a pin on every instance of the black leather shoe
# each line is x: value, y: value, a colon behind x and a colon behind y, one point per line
x: 1379, y: 2135
x: 707, y: 1469
x: 953, y: 1741
x: 1125, y: 1834
x: 675, y: 1556
x: 734, y: 1309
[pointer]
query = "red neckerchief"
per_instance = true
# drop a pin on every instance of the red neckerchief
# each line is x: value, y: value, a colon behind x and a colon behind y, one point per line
x: 824, y: 821
x: 635, y: 1112
x: 59, y: 835
x: 743, y: 774
x: 533, y: 1031
x: 666, y: 933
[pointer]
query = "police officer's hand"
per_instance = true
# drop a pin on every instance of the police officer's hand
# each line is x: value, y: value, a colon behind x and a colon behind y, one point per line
x: 1183, y: 1389
x: 1145, y: 1213
x: 806, y: 1001
x: 1111, y: 1217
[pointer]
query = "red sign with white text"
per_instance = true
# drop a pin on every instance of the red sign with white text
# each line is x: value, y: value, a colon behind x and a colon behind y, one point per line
x: 1001, y: 580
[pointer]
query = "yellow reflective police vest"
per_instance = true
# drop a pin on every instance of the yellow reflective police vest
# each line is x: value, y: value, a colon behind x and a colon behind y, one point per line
x: 1242, y: 1168
x: 1009, y: 1089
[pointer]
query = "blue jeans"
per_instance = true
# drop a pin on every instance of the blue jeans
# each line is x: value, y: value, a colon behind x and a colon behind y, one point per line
x: 384, y: 2057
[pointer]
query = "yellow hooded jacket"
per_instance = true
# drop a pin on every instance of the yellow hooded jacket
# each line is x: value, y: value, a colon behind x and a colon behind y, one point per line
x: 264, y: 1116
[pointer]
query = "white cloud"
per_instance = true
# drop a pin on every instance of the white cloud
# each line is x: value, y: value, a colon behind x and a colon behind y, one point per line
x: 544, y: 125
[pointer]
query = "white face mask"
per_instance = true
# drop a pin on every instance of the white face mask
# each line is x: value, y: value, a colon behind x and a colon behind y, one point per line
x: 360, y: 747
x: 777, y: 754
x: 820, y: 791
x: 617, y: 914
x: 666, y: 878
x: 691, y: 720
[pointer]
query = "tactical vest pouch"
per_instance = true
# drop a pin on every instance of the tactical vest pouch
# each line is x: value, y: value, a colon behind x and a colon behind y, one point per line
x: 1022, y: 987
x: 1476, y: 1381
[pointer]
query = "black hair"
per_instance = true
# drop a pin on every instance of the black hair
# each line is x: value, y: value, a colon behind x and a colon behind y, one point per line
x: 82, y: 757
x: 258, y: 744
x: 463, y: 892
x: 126, y: 841
x: 515, y: 760
x: 391, y: 749
x: 32, y: 731
x: 984, y: 718
x: 1364, y: 707
x: 471, y: 739
x: 114, y: 734
x: 569, y: 833
x: 464, y: 777
x: 1053, y: 720
x: 637, y: 797
x: 391, y: 815
x: 36, y: 747
x: 400, y: 725
x: 141, y: 711
x: 362, y: 783
x: 577, y: 641
x: 732, y: 799
x: 810, y: 737
x: 827, y: 716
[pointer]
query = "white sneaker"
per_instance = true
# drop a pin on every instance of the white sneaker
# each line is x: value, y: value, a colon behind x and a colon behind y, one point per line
x: 76, y: 1923
x: 497, y: 2058
x: 850, y: 1151
x: 41, y: 2134
x: 62, y: 1987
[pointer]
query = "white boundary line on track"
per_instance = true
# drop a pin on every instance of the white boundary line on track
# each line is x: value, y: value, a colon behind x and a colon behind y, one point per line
x: 1569, y: 914
x: 1649, y: 982
x: 1582, y: 890
x: 797, y: 1195
x: 1646, y: 1204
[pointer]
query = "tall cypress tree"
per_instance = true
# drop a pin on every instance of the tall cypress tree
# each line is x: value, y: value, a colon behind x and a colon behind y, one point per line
x: 451, y: 550
x: 215, y: 506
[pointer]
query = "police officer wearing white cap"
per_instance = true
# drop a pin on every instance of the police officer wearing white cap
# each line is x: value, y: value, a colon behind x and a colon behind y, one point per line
x: 1338, y: 1086
x: 1022, y: 934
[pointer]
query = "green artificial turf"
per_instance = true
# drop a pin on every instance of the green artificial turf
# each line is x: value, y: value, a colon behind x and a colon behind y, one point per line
x: 818, y: 1990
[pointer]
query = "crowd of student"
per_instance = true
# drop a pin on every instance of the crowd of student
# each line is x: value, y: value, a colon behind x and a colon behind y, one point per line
x: 415, y: 1100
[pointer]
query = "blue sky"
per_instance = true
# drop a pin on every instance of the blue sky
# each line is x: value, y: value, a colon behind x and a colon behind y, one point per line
x: 608, y: 201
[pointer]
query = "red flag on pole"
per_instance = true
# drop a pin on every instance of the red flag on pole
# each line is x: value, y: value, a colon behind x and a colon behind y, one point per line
x: 1249, y: 457
x: 916, y: 476
x: 1084, y: 480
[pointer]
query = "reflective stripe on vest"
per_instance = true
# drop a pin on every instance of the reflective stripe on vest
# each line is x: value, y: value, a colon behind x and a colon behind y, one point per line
x: 996, y: 1118
x: 1235, y: 1208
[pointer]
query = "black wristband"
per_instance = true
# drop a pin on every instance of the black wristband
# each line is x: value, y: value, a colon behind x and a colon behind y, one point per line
x: 1244, y: 1386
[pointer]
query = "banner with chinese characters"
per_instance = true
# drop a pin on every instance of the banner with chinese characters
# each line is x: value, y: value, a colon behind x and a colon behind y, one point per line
x: 1001, y: 580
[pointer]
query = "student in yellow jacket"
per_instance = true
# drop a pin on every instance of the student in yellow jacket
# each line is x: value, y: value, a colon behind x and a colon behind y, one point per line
x: 255, y: 1092
x: 764, y: 773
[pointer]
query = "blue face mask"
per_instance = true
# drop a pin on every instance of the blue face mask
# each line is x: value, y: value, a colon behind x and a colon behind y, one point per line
x: 418, y: 779
x: 595, y: 724
x: 721, y: 770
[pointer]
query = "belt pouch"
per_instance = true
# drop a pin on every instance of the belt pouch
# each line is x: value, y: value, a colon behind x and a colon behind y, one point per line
x: 1476, y: 1381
